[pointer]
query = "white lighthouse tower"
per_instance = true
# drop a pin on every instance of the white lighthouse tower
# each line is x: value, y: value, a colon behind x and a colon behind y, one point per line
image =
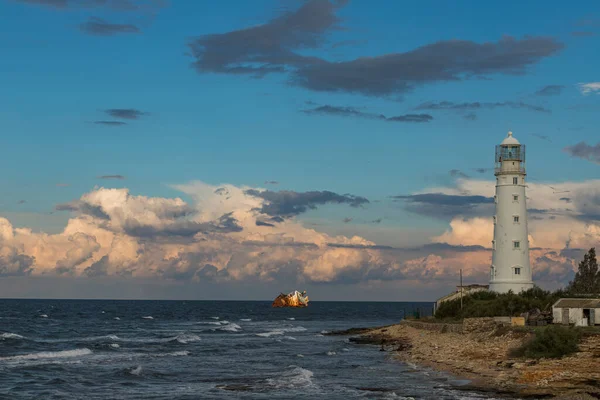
x: 510, y: 268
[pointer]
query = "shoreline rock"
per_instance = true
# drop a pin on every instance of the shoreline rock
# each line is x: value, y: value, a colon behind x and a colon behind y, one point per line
x: 482, y: 356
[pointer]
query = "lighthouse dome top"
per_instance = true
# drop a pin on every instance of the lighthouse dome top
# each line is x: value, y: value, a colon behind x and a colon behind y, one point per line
x: 509, y: 139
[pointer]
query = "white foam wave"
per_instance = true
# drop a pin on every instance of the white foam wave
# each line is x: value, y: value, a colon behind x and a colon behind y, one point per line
x: 246, y: 319
x: 117, y: 318
x: 9, y: 335
x: 49, y: 354
x: 230, y: 327
x: 324, y: 332
x: 215, y: 317
x: 43, y: 316
x: 290, y: 338
x: 331, y: 353
x: 292, y: 319
x: 293, y: 377
x: 300, y: 355
x: 223, y: 322
x: 187, y: 338
x: 148, y: 317
x: 137, y: 371
x: 114, y: 345
x: 173, y: 354
x: 281, y: 331
x: 208, y: 323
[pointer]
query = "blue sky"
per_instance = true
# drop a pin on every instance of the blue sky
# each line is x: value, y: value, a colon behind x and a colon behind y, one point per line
x: 243, y: 130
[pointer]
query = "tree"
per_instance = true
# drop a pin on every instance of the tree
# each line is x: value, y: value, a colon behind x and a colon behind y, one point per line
x: 587, y: 278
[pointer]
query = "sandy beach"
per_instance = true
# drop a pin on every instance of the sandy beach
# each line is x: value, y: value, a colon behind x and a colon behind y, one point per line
x: 483, y: 358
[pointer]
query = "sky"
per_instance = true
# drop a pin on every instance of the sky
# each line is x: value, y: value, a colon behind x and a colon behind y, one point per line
x: 235, y: 149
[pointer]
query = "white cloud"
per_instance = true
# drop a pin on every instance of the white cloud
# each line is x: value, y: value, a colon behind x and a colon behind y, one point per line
x: 588, y: 88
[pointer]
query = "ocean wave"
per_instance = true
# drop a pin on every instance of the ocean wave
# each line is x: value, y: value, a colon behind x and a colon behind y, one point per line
x: 43, y: 316
x: 137, y: 371
x: 246, y: 319
x: 292, y: 319
x: 293, y: 377
x: 148, y: 317
x: 281, y: 331
x: 331, y: 353
x: 187, y: 338
x: 172, y: 354
x: 114, y: 345
x: 49, y: 355
x: 230, y: 327
x: 208, y: 323
x: 9, y: 335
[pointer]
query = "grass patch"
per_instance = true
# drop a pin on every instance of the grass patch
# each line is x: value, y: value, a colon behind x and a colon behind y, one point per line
x: 553, y: 341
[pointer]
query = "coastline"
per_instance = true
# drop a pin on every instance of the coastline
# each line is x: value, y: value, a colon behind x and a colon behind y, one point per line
x: 482, y: 357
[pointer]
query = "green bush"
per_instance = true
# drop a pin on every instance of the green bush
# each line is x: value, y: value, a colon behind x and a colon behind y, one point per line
x: 491, y: 304
x: 553, y: 341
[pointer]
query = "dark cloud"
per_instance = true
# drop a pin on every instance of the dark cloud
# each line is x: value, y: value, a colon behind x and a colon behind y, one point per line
x: 100, y: 27
x: 15, y: 264
x: 543, y: 137
x: 565, y: 199
x: 347, y: 219
x: 449, y: 60
x: 585, y: 151
x: 267, y: 47
x: 84, y: 208
x: 445, y: 205
x: 263, y: 223
x: 115, y: 5
x: 470, y: 117
x: 125, y: 113
x: 482, y: 170
x: 377, y: 221
x: 120, y: 177
x: 271, y: 183
x: 550, y: 90
x: 353, y: 112
x: 110, y: 123
x: 583, y: 34
x: 21, y: 201
x: 289, y: 203
x: 99, y: 268
x: 460, y: 107
x: 183, y: 228
x: 456, y: 173
x: 279, y: 46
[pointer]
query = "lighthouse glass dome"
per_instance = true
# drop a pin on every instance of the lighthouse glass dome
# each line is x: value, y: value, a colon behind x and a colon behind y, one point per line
x: 510, y: 158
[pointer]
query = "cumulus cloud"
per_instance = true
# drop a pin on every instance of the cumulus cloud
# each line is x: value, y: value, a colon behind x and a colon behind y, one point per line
x: 228, y: 233
x: 278, y: 46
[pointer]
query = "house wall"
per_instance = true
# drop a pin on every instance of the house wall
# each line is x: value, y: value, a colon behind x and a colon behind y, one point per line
x: 575, y: 315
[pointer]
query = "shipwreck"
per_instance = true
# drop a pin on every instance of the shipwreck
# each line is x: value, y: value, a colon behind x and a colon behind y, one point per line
x: 293, y: 299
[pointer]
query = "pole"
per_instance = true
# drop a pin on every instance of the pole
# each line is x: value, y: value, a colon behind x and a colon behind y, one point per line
x: 461, y: 290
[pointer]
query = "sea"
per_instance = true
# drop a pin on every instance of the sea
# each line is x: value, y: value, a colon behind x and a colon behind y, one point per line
x: 105, y: 349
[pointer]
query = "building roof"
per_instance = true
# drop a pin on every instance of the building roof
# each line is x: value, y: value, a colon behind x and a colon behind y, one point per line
x: 510, y: 140
x: 577, y: 303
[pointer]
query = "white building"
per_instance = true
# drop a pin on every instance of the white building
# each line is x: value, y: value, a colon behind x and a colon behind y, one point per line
x: 510, y: 268
x: 579, y: 312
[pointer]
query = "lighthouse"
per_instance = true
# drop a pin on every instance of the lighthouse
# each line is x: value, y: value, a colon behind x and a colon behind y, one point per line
x: 510, y: 268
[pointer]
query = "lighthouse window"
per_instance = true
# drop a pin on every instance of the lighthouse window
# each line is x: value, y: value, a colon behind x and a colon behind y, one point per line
x: 517, y: 271
x: 516, y: 219
x: 515, y: 197
x: 515, y: 181
x: 516, y: 245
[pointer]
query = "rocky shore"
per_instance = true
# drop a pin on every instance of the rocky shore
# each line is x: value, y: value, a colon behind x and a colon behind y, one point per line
x: 480, y: 353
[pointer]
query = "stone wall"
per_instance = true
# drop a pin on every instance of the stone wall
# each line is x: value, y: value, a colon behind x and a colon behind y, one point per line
x: 481, y: 324
x: 434, y: 326
x: 468, y: 325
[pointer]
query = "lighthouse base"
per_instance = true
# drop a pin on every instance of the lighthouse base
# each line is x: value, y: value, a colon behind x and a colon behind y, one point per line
x: 505, y: 286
